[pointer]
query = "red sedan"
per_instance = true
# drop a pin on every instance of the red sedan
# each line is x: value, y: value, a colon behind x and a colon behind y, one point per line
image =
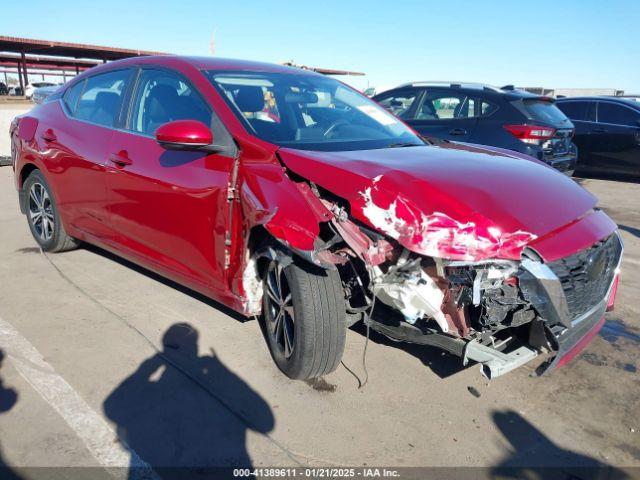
x: 287, y: 195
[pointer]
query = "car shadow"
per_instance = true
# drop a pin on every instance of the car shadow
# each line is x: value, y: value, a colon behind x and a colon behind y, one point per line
x: 165, y: 281
x: 535, y: 456
x: 186, y: 415
x: 8, y: 398
x: 440, y: 362
x: 632, y: 230
x: 581, y: 177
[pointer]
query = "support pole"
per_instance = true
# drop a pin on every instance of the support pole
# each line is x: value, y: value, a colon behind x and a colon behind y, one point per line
x: 24, y: 68
x: 20, y: 77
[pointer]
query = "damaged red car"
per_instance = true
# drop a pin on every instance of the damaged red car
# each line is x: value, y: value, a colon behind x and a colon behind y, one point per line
x: 289, y: 196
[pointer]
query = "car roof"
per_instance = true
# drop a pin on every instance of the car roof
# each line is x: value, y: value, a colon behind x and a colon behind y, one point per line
x: 508, y: 91
x: 622, y: 100
x: 201, y: 63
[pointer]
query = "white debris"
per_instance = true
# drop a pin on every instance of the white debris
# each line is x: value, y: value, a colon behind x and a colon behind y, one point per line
x: 413, y: 293
x: 253, y: 288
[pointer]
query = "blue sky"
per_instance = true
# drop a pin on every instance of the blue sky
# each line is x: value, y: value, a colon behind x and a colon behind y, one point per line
x: 537, y: 43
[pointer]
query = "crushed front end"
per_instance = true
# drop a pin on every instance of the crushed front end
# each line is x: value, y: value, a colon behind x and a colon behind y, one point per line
x: 500, y: 313
x: 492, y: 271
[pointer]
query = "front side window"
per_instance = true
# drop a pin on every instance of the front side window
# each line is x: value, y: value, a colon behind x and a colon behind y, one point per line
x: 617, y: 115
x: 310, y: 112
x: 399, y: 103
x: 102, y: 97
x: 164, y: 97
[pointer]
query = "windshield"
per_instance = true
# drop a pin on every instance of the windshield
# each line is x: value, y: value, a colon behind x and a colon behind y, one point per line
x: 310, y: 112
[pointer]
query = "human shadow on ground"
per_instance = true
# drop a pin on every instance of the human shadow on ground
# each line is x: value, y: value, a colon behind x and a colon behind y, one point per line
x: 185, y: 415
x: 534, y: 456
x: 8, y: 398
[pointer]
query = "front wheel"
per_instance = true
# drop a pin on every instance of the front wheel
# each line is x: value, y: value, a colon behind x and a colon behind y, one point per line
x: 305, y: 318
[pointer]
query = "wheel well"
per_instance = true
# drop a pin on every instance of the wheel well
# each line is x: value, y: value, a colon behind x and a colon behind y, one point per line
x: 25, y: 172
x: 258, y: 238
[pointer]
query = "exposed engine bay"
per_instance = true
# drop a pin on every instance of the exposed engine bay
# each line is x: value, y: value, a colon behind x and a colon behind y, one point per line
x: 500, y: 313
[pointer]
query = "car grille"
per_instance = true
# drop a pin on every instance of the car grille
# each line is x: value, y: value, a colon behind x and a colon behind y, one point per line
x: 587, y: 275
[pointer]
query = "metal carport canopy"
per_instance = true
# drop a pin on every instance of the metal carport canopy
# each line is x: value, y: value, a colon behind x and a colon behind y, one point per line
x: 66, y: 49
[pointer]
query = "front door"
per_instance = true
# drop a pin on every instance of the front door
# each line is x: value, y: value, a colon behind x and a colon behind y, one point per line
x: 169, y: 207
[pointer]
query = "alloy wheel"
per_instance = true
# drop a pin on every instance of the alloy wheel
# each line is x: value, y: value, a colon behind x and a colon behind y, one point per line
x: 41, y: 212
x: 279, y: 312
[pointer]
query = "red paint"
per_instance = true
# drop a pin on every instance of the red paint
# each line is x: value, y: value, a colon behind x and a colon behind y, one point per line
x: 168, y: 209
x: 468, y: 190
x: 612, y: 295
x: 185, y: 132
x: 579, y: 346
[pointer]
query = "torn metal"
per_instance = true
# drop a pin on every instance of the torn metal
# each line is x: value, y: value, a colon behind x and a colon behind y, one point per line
x: 439, y: 235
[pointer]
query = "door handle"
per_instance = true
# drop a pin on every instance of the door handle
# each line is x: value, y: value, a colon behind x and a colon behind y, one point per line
x: 49, y: 136
x: 121, y: 158
x: 599, y: 130
x: 457, y: 131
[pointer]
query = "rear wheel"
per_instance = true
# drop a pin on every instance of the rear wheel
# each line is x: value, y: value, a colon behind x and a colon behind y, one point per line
x: 305, y: 319
x: 43, y: 217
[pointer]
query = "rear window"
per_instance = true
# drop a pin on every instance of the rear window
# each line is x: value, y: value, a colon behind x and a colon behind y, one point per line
x: 541, y: 110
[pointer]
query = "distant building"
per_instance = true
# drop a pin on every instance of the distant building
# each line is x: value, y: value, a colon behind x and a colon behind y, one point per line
x: 574, y: 92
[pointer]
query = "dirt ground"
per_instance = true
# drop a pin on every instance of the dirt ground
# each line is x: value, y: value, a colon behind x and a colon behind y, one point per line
x: 82, y: 332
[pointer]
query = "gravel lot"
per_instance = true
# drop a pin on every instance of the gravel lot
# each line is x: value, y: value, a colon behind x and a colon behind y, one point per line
x: 81, y: 332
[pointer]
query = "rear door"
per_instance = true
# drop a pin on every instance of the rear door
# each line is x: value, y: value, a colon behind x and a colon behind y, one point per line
x: 168, y: 207
x: 616, y: 139
x: 77, y: 149
x: 445, y: 114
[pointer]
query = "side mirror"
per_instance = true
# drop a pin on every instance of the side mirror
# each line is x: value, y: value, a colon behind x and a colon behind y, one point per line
x: 184, y: 135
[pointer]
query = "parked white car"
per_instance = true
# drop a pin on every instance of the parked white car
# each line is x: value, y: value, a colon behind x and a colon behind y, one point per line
x: 40, y: 94
x: 28, y: 92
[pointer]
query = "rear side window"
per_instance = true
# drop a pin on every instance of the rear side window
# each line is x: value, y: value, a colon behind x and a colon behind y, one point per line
x: 102, y: 96
x: 617, y: 114
x: 541, y: 110
x: 71, y: 96
x: 487, y: 108
x: 398, y: 103
x: 576, y: 110
x: 445, y: 106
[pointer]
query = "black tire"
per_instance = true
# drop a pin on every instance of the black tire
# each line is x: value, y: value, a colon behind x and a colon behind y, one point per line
x: 43, y: 216
x: 319, y: 319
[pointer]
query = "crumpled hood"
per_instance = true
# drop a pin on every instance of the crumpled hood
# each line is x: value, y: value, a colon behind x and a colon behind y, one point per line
x: 458, y: 202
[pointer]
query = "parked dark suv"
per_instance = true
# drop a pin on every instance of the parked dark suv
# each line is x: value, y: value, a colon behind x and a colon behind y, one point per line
x: 475, y: 113
x: 607, y: 134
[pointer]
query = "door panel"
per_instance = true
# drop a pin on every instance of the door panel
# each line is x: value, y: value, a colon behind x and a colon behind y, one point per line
x: 169, y: 207
x: 75, y: 145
